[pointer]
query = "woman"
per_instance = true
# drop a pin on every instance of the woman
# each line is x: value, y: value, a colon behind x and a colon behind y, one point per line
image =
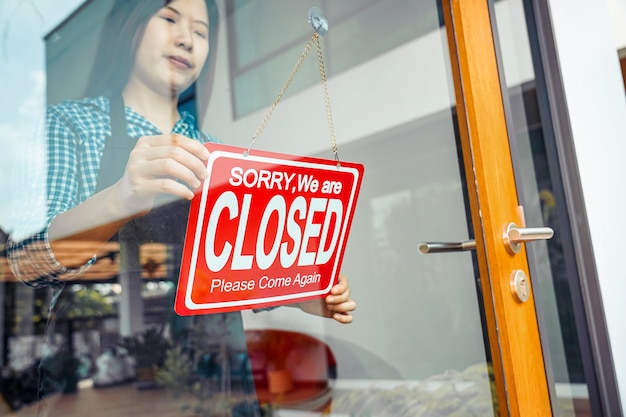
x: 127, y: 160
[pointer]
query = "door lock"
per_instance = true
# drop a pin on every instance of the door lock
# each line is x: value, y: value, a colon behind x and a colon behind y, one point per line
x: 520, y: 286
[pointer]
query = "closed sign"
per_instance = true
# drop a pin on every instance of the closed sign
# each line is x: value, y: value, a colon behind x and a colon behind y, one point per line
x: 267, y: 229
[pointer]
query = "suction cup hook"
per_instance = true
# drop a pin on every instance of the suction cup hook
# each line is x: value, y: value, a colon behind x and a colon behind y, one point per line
x: 318, y: 21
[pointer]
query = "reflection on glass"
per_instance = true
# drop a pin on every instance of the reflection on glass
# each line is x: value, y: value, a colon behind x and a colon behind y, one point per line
x: 419, y: 309
x: 418, y: 344
x: 361, y: 30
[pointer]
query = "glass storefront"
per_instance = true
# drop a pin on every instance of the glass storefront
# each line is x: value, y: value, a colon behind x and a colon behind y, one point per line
x: 418, y: 345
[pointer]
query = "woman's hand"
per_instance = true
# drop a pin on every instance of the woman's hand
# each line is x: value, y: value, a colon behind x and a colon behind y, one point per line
x: 165, y: 164
x: 337, y: 305
x: 170, y: 164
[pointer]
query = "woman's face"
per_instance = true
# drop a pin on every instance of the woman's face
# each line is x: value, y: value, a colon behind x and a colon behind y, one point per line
x: 173, y: 49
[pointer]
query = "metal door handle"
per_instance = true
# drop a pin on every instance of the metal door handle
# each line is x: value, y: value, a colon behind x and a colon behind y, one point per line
x: 514, y: 236
x: 436, y: 247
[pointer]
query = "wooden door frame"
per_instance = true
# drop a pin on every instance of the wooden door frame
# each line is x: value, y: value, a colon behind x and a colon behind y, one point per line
x: 512, y: 327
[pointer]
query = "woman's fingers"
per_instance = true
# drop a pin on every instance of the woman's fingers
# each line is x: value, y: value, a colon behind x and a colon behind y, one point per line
x: 344, y: 307
x: 152, y: 167
x: 149, y: 187
x: 172, y: 156
x: 166, y: 157
x: 165, y: 164
x: 190, y: 145
x: 169, y: 161
x: 340, y: 292
x: 339, y: 298
x: 343, y: 318
x: 339, y: 301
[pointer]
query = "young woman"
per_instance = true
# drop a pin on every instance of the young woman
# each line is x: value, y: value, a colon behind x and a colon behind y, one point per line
x: 127, y: 159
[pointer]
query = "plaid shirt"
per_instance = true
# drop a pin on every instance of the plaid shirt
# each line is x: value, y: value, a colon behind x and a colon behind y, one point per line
x: 77, y: 131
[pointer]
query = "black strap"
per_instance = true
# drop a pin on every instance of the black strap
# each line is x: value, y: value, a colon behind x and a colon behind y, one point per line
x: 116, y: 148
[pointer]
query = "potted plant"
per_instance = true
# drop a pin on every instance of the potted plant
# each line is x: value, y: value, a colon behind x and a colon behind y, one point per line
x: 149, y: 351
x: 179, y: 376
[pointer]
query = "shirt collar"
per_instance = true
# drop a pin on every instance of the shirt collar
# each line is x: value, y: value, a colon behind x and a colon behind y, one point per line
x: 186, y: 125
x: 139, y: 126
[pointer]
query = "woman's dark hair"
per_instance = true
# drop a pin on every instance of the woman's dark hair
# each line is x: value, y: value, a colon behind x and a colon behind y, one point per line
x: 119, y: 36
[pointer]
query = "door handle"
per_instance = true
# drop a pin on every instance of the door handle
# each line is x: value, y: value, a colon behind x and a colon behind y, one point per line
x: 514, y: 236
x: 437, y: 247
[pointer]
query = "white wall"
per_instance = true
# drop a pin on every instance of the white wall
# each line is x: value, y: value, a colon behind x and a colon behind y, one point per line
x: 597, y: 109
x: 386, y: 81
x: 617, y: 11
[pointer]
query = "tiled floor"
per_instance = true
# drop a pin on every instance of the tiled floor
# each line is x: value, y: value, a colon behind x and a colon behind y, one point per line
x: 124, y: 400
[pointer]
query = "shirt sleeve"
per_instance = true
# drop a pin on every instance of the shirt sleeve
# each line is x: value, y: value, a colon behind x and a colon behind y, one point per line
x: 32, y: 260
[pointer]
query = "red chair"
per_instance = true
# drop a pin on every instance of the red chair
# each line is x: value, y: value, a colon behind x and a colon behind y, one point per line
x: 291, y: 369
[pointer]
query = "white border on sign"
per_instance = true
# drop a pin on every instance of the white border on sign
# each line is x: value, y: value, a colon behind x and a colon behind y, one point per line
x: 189, y: 303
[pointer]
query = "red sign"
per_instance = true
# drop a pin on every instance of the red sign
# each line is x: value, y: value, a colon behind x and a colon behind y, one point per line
x: 266, y: 229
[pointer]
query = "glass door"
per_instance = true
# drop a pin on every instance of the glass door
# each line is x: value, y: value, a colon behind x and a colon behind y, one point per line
x: 417, y: 100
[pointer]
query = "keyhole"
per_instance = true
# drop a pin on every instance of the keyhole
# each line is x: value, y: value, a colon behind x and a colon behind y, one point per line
x: 523, y: 288
x: 519, y: 286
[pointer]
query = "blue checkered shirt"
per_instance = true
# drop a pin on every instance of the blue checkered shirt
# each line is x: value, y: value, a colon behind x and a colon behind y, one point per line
x: 77, y: 131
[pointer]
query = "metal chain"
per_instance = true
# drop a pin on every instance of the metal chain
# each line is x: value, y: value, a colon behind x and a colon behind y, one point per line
x: 320, y: 60
x: 329, y: 116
